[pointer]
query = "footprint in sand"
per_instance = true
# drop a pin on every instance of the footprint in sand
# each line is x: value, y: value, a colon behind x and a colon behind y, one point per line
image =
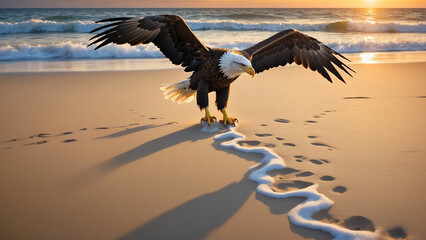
x: 269, y: 145
x: 327, y: 178
x: 42, y: 135
x: 304, y: 174
x: 320, y: 144
x: 133, y: 124
x: 310, y: 121
x: 279, y: 138
x: 312, y: 137
x: 288, y: 185
x: 316, y: 116
x: 263, y: 134
x: 325, y: 161
x: 13, y: 140
x: 101, y: 128
x: 359, y: 223
x: 263, y: 125
x: 66, y: 133
x: 83, y: 129
x: 356, y: 98
x: 153, y: 118
x: 249, y: 143
x: 340, y: 189
x: 69, y: 140
x: 397, y: 233
x: 298, y: 156
x: 281, y: 120
x: 36, y: 143
x: 289, y: 144
x: 315, y: 161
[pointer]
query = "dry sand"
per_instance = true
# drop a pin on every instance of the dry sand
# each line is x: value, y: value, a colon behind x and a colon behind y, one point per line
x: 101, y: 155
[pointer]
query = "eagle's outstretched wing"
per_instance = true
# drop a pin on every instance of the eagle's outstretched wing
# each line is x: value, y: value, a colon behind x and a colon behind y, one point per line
x: 291, y: 46
x: 169, y: 33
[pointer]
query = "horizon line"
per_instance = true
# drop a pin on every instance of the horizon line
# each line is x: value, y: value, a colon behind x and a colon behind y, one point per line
x: 218, y: 7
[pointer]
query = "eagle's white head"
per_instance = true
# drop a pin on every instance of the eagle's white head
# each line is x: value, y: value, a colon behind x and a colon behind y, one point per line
x: 233, y: 65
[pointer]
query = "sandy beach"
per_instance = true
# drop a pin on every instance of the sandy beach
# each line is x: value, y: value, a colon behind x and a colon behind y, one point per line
x: 102, y: 155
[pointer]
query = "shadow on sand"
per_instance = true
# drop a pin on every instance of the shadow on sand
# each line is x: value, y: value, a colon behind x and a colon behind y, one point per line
x: 135, y: 130
x: 196, y: 218
x: 191, y: 133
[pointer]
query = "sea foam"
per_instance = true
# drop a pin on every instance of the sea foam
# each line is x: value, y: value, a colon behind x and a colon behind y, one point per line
x: 70, y: 50
x: 302, y: 214
x: 47, y: 26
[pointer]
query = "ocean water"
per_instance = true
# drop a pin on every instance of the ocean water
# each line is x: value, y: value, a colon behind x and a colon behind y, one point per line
x: 63, y: 34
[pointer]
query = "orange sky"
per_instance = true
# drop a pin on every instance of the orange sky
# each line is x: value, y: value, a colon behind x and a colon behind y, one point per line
x: 216, y: 3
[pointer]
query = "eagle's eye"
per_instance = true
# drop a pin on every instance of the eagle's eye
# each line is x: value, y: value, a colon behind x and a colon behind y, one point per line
x: 242, y: 65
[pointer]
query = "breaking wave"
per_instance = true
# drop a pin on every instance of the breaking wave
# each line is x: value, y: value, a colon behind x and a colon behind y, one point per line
x: 76, y: 51
x: 45, y: 26
x: 71, y: 50
x: 48, y: 26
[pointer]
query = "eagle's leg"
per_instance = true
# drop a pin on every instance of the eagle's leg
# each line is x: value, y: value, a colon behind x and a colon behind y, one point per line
x: 208, y: 118
x: 226, y: 119
x: 203, y: 101
x: 222, y: 96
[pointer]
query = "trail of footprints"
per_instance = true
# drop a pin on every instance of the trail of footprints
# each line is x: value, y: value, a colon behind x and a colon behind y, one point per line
x: 283, y: 183
x: 292, y: 179
x: 43, y: 138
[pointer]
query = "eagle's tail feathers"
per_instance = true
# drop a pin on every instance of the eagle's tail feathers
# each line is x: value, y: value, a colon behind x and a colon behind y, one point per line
x: 179, y: 92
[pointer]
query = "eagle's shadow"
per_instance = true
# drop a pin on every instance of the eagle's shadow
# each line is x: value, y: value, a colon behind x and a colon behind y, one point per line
x: 192, y: 134
x: 198, y: 217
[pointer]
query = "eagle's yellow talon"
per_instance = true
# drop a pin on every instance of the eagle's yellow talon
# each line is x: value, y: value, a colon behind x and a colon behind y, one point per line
x: 208, y: 118
x: 228, y: 120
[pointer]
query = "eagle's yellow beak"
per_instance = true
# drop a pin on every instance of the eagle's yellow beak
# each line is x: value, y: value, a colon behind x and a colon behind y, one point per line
x: 249, y: 70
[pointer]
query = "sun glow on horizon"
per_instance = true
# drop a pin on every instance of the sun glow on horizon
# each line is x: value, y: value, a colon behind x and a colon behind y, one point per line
x: 368, y: 57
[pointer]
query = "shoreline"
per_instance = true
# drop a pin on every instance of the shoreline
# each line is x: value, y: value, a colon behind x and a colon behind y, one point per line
x: 146, y: 64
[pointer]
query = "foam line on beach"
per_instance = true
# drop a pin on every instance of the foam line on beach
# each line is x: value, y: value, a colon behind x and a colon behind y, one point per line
x: 302, y: 214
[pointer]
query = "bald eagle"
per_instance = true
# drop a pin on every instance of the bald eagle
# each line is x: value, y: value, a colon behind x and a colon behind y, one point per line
x: 214, y: 69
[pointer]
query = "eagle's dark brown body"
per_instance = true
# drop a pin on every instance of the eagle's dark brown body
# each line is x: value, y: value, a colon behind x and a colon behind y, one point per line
x: 210, y: 71
x: 208, y: 78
